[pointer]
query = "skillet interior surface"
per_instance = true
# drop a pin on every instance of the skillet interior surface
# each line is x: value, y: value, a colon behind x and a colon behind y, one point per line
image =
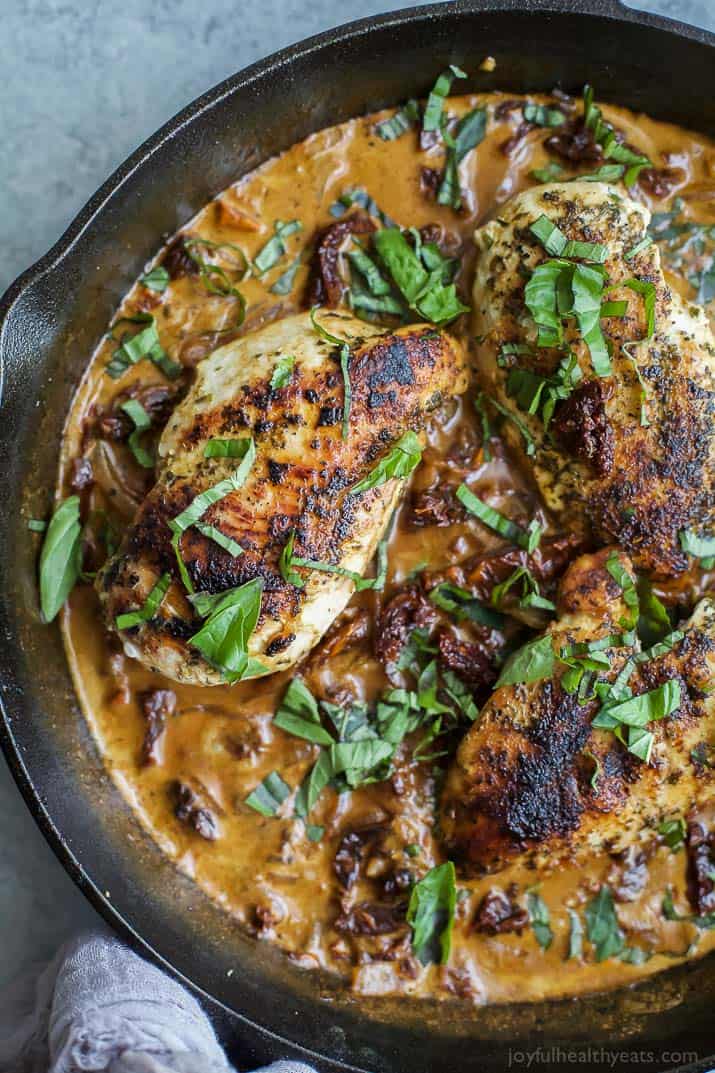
x: 52, y: 319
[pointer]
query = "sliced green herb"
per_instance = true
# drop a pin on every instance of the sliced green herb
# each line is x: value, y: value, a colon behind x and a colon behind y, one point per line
x: 269, y: 795
x: 150, y: 607
x: 575, y: 950
x: 607, y: 173
x: 644, y: 243
x: 463, y: 606
x: 36, y: 525
x: 226, y: 448
x: 223, y: 638
x: 286, y: 281
x: 402, y: 458
x: 432, y: 118
x: 227, y: 543
x: 550, y: 173
x: 525, y: 538
x: 283, y: 372
x: 543, y: 116
x: 298, y: 714
x: 540, y: 919
x: 142, y: 421
x: 673, y: 833
x: 531, y: 663
x: 602, y: 926
x: 157, y: 279
x: 399, y: 123
x: 424, y: 291
x: 60, y: 559
x: 647, y: 291
x: 270, y: 254
x: 143, y: 344
x: 700, y: 547
x: 430, y: 914
x: 469, y: 133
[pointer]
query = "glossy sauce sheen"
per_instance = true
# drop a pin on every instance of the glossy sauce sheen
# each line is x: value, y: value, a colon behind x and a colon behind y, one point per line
x: 264, y: 871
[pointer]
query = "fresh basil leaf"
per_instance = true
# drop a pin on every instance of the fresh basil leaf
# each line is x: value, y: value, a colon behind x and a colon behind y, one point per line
x: 587, y: 285
x: 157, y: 279
x: 60, y: 558
x: 399, y: 123
x: 653, y: 621
x: 550, y: 173
x: 365, y: 201
x: 288, y: 574
x: 402, y: 458
x: 642, y: 709
x: 605, y: 136
x: 602, y: 926
x: 142, y: 421
x: 607, y: 173
x: 700, y: 547
x: 644, y: 243
x: 226, y: 448
x: 532, y: 662
x: 367, y: 268
x: 424, y: 291
x: 223, y: 638
x: 285, y: 282
x: 525, y: 538
x: 430, y: 914
x: 575, y: 936
x: 236, y: 480
x: 36, y: 525
x: 540, y: 919
x: 541, y: 299
x: 143, y: 344
x: 623, y: 579
x: 282, y: 372
x: 614, y: 309
x: 543, y: 116
x: 270, y: 254
x: 226, y: 542
x: 673, y: 833
x: 150, y: 607
x: 269, y: 795
x: 549, y: 235
x: 468, y: 134
x: 462, y: 605
x: 432, y: 118
x: 298, y: 714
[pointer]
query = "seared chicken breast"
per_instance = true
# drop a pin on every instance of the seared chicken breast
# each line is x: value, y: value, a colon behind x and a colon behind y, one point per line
x: 628, y: 455
x: 536, y: 780
x: 283, y: 387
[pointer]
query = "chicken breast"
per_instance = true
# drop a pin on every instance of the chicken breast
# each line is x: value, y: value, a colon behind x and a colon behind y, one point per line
x: 626, y: 456
x: 536, y: 779
x: 300, y: 482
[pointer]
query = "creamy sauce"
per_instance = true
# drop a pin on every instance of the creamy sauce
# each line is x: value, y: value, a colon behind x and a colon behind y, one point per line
x: 264, y: 871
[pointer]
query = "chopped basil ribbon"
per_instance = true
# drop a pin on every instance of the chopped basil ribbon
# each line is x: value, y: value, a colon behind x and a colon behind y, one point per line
x: 653, y: 620
x: 530, y: 595
x: 432, y: 118
x: 462, y: 605
x: 540, y: 919
x: 227, y: 543
x: 363, y: 199
x: 430, y: 914
x: 282, y: 372
x: 269, y: 795
x: 157, y: 279
x: 60, y: 559
x: 525, y: 538
x: 202, y: 502
x: 587, y: 285
x: 575, y: 935
x: 673, y: 833
x: 143, y: 344
x: 602, y: 926
x: 557, y: 244
x: 605, y: 136
x: 425, y: 291
x: 614, y: 309
x: 36, y: 525
x: 344, y: 368
x: 150, y: 607
x: 623, y: 579
x: 285, y: 282
x: 223, y: 638
x: 298, y: 714
x: 399, y: 123
x: 269, y: 256
x: 469, y: 133
x: 635, y: 713
x: 216, y: 448
x: 548, y: 174
x: 644, y: 243
x: 286, y: 563
x: 607, y: 173
x: 367, y: 268
x: 530, y: 447
x: 530, y: 663
x: 543, y: 116
x: 142, y: 421
x: 355, y: 760
x: 702, y: 548
x: 402, y: 458
x: 648, y: 292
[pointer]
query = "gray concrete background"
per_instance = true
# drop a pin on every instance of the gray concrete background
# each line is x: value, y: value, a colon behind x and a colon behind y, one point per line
x: 83, y: 83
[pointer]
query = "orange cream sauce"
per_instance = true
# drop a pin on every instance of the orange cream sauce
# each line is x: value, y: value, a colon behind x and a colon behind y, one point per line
x: 264, y: 871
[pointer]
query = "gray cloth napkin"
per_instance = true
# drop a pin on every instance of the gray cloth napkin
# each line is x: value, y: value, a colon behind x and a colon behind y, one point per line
x: 100, y: 1008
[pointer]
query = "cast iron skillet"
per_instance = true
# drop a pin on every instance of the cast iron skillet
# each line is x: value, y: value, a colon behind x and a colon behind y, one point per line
x: 52, y: 318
